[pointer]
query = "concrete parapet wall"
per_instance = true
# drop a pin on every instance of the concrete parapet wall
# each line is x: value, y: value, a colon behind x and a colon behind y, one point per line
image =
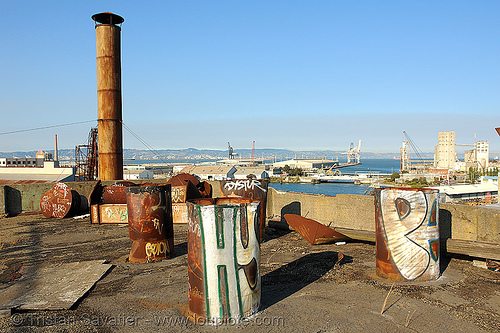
x: 350, y: 211
x: 472, y: 223
x: 344, y: 210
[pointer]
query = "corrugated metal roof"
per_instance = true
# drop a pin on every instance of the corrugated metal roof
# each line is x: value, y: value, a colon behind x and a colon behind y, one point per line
x: 202, y: 169
x: 10, y: 178
x: 463, y: 189
x: 15, y: 182
x: 248, y: 170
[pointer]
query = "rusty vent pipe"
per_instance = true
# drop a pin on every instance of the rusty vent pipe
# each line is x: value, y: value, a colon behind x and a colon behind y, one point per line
x: 109, y: 103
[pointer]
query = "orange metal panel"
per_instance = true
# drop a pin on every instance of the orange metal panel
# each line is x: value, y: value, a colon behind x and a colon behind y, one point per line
x: 179, y: 213
x: 113, y: 213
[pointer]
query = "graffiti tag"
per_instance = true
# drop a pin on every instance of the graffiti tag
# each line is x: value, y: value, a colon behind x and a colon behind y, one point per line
x: 244, y: 185
x: 156, y: 249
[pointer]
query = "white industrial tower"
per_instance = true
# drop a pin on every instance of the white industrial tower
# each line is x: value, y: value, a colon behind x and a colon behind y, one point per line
x: 444, y: 153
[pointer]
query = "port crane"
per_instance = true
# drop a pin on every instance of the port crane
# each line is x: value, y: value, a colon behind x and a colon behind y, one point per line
x: 353, y: 158
x: 253, y: 153
x: 353, y: 154
x: 232, y: 154
x: 415, y: 148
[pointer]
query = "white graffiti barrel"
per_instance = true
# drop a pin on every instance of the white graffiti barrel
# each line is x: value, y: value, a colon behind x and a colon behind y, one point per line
x: 223, y: 259
x: 407, y: 234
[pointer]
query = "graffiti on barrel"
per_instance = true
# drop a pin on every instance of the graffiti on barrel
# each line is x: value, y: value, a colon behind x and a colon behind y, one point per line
x: 254, y: 189
x: 223, y: 258
x: 150, y: 223
x: 407, y: 234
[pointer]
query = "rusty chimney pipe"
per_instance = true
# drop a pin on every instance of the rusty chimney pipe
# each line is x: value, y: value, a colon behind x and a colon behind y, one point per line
x: 56, y: 158
x: 109, y: 99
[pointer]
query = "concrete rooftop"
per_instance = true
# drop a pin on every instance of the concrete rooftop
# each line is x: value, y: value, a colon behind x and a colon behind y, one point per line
x: 303, y: 290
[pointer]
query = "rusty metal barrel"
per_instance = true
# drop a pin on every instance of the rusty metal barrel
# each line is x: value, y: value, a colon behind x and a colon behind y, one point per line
x: 407, y: 234
x: 223, y: 259
x: 61, y: 201
x: 255, y: 189
x: 150, y: 223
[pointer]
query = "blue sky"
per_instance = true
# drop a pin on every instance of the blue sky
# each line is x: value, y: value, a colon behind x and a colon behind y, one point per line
x: 312, y: 75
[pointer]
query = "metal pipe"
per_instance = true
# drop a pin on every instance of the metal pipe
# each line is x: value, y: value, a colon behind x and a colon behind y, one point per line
x: 55, y: 150
x: 109, y: 103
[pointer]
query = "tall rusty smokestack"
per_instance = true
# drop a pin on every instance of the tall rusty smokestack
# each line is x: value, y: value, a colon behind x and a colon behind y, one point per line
x: 56, y: 158
x: 109, y: 99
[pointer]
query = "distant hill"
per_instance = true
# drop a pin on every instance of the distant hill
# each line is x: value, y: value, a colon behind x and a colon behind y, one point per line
x: 197, y: 154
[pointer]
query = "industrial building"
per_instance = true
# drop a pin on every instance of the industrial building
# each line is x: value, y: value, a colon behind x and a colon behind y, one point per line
x: 306, y: 164
x: 455, y: 193
x: 49, y: 172
x: 36, y: 161
x: 244, y: 173
x: 133, y: 174
x: 482, y: 149
x: 39, y: 169
x: 444, y: 153
x: 209, y: 172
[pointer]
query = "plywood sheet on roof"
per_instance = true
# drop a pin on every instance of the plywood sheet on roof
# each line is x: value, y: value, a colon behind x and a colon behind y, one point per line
x: 53, y: 287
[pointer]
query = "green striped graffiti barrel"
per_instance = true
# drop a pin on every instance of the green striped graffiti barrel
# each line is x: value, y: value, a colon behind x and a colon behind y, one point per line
x: 407, y: 234
x: 223, y: 259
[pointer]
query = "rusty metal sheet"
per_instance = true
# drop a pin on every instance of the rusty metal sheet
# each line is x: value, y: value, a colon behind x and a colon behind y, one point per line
x: 205, y: 189
x: 313, y: 231
x: 113, y: 213
x: 115, y: 194
x: 110, y: 194
x: 95, y: 196
x: 182, y: 179
x: 179, y: 194
x: 179, y: 213
x: 186, y: 187
x: 94, y: 214
x: 407, y: 234
x: 53, y: 287
x: 60, y: 201
x: 223, y: 259
x: 255, y: 189
x: 150, y: 222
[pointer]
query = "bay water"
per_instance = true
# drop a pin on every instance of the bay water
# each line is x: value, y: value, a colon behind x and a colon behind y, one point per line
x: 386, y: 166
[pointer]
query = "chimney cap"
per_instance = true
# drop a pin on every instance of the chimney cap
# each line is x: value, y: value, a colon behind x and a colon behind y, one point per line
x: 107, y: 18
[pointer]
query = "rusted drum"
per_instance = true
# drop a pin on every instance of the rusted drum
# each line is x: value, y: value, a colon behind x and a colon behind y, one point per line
x: 407, y: 234
x: 115, y: 194
x: 255, y: 189
x: 150, y: 223
x: 223, y: 259
x: 61, y: 201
